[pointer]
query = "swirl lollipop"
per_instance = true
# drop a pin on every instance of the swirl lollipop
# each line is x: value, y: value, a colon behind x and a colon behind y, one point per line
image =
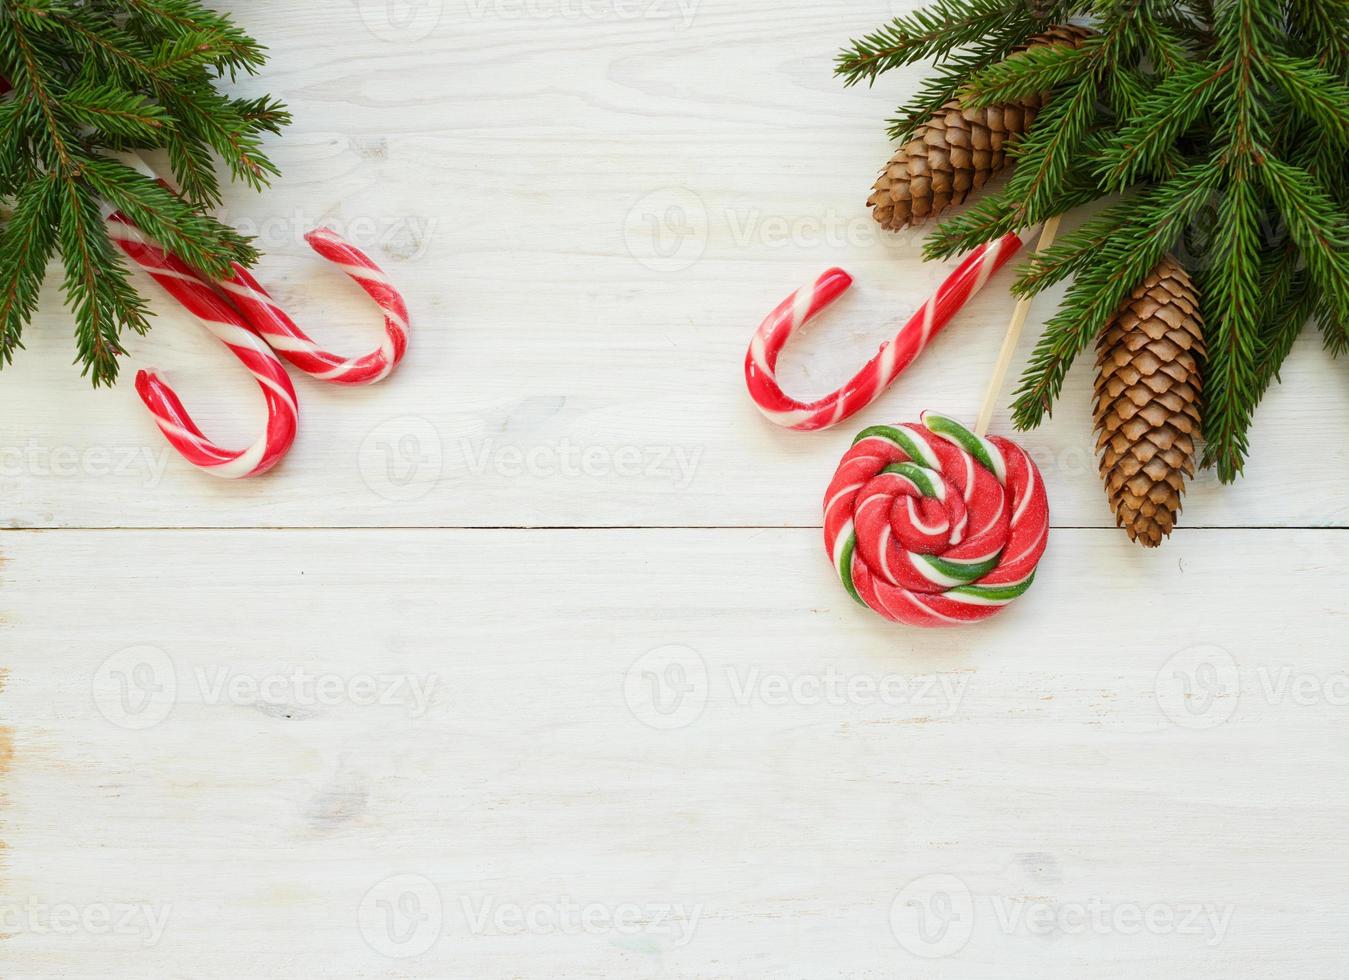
x: 932, y: 525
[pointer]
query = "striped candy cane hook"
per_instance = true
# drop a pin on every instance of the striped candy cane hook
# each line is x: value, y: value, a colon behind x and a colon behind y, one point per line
x: 292, y: 343
x: 224, y: 323
x: 893, y: 357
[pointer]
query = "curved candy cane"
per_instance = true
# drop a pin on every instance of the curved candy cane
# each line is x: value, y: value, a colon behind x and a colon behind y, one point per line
x: 225, y: 323
x: 893, y: 357
x: 282, y: 333
x: 292, y: 343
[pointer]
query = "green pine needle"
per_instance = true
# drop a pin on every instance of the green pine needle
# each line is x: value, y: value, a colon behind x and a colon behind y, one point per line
x: 1030, y: 72
x: 93, y: 78
x: 1156, y: 123
x: 1232, y: 303
x: 931, y: 32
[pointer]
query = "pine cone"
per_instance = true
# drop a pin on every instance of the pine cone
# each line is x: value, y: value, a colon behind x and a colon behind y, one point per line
x: 956, y: 151
x: 1148, y: 384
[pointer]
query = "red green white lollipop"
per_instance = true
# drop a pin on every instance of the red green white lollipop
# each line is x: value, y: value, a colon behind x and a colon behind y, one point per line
x: 931, y: 525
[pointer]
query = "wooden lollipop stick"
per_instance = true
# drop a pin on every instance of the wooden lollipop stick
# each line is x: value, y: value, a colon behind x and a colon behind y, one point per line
x: 1047, y: 233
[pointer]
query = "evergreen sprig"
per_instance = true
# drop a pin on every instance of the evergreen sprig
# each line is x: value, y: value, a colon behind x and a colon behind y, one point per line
x: 932, y: 32
x: 1223, y: 123
x: 84, y: 80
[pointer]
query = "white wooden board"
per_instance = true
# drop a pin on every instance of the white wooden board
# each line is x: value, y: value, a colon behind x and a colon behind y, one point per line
x: 693, y: 735
x: 528, y: 662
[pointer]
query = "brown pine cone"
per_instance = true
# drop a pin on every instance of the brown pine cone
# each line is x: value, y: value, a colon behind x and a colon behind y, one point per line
x: 956, y: 151
x: 1148, y: 383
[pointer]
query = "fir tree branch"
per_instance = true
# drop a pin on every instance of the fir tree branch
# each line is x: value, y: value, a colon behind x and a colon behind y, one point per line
x: 114, y: 111
x: 1334, y: 330
x: 27, y: 79
x: 1322, y: 28
x: 1125, y: 89
x: 1290, y: 302
x: 1231, y: 302
x: 25, y: 245
x: 1160, y: 42
x: 1072, y: 253
x: 232, y: 49
x: 1033, y: 71
x: 931, y: 32
x: 98, y: 76
x: 1319, y: 228
x: 1316, y: 94
x: 1157, y: 122
x: 1158, y: 217
x: 96, y: 284
x: 1245, y: 40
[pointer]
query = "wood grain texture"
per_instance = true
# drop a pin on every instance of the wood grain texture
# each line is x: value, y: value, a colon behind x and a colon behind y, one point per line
x: 1045, y: 761
x: 529, y: 663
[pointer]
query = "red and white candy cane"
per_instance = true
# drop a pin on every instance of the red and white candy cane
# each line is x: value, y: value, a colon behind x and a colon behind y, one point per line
x: 893, y: 357
x: 229, y: 327
x: 292, y: 343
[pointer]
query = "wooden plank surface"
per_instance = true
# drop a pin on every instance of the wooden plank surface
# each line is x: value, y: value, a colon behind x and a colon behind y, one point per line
x: 734, y: 769
x: 528, y: 662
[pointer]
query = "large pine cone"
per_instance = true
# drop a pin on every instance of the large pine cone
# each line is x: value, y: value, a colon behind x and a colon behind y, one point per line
x: 956, y: 151
x: 1148, y: 384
